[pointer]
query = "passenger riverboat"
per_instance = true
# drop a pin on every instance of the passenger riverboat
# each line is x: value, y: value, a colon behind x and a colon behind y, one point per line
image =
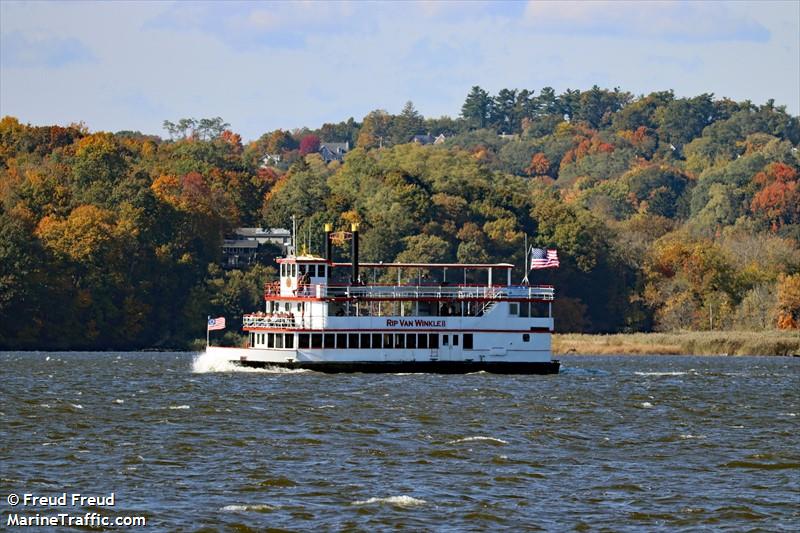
x: 431, y: 317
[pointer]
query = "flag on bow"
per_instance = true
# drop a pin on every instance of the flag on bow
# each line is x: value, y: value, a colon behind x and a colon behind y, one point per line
x: 541, y: 258
x: 216, y: 323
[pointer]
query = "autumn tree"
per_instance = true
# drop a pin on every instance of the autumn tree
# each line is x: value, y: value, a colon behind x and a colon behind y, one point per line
x: 309, y: 144
x: 778, y: 200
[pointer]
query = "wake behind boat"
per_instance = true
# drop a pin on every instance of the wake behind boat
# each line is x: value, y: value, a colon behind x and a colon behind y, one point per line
x: 425, y: 322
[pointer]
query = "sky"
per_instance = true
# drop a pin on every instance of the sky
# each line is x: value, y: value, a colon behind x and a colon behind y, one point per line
x: 268, y: 65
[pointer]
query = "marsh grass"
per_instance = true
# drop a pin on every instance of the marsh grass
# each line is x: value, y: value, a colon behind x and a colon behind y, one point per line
x: 770, y: 342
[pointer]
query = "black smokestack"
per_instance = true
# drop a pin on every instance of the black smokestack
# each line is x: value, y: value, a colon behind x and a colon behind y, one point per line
x: 328, y: 253
x: 354, y: 228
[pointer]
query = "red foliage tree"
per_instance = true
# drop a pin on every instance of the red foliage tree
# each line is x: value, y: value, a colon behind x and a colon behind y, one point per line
x: 309, y: 144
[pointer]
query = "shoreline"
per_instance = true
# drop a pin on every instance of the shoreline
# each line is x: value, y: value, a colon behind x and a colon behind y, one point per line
x: 784, y: 343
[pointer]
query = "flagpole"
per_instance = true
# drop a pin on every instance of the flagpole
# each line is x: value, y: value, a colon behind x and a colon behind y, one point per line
x: 525, y: 279
x: 208, y: 334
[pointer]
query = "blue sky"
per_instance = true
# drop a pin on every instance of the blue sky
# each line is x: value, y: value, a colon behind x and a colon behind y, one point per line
x: 268, y: 65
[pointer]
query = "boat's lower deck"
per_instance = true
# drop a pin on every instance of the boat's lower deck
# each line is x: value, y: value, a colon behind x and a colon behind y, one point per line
x: 393, y: 367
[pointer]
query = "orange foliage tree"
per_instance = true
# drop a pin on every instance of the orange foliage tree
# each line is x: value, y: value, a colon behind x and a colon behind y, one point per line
x: 778, y: 200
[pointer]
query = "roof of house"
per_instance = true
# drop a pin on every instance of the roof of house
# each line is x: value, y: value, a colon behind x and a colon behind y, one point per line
x: 335, y: 147
x: 262, y: 232
x: 239, y: 243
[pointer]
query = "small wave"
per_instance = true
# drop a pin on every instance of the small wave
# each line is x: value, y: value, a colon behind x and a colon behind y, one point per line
x: 398, y: 501
x: 646, y: 405
x: 689, y: 436
x: 76, y: 405
x: 491, y: 440
x: 661, y: 373
x: 281, y: 370
x: 179, y: 407
x: 118, y: 400
x: 260, y: 508
x: 761, y: 466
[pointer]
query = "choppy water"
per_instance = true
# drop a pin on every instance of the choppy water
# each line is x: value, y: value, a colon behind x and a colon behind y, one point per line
x: 622, y: 443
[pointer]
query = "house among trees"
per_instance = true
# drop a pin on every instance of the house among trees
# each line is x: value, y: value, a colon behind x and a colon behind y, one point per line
x: 241, y: 249
x: 428, y: 139
x: 422, y: 139
x: 333, y: 151
x: 270, y: 159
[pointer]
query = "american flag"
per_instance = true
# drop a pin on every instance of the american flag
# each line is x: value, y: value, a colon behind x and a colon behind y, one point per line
x: 216, y: 323
x: 541, y: 258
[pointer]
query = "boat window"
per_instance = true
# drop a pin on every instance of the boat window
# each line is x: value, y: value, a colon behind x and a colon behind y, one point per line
x: 341, y: 340
x: 387, y: 340
x: 304, y: 340
x: 301, y: 269
x: 400, y: 340
x: 526, y: 337
x: 279, y: 340
x: 251, y: 338
x: 270, y: 340
x: 455, y: 340
x: 525, y: 310
x: 411, y: 340
x: 433, y: 340
x: 376, y: 340
x: 316, y: 340
x: 290, y: 340
x: 365, y: 340
x: 423, y: 340
x: 352, y: 340
x: 445, y: 340
x: 287, y: 306
x: 294, y: 270
x: 314, y: 269
x: 467, y: 341
x: 323, y: 271
x: 513, y: 308
x: 329, y: 340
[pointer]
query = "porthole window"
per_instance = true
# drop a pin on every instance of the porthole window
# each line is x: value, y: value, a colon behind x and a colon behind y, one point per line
x: 526, y: 337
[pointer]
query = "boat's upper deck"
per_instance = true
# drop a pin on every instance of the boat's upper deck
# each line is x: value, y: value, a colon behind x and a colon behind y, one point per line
x: 314, y: 278
x: 413, y: 292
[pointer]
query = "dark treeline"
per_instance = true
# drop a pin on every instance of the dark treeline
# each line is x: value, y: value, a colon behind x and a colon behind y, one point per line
x: 668, y: 213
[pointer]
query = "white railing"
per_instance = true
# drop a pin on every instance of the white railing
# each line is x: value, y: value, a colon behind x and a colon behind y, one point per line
x: 482, y: 292
x: 282, y: 321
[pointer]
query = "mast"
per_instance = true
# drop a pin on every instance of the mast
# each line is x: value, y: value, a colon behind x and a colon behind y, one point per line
x: 294, y: 235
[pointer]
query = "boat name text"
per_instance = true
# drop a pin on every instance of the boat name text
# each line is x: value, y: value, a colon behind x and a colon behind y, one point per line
x: 391, y: 323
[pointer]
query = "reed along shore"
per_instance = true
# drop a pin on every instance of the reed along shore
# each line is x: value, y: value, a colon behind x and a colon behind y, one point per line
x: 769, y: 342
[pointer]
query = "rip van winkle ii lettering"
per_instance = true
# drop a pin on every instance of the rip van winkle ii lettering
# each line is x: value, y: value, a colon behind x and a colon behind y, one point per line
x: 390, y: 323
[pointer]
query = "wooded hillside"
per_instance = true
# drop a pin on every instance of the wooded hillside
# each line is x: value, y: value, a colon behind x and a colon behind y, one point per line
x: 668, y: 213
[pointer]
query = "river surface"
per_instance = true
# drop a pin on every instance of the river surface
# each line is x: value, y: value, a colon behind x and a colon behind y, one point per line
x: 626, y: 443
